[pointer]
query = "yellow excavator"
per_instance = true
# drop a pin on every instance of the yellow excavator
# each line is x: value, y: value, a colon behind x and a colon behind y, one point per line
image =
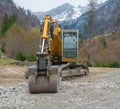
x: 57, y: 47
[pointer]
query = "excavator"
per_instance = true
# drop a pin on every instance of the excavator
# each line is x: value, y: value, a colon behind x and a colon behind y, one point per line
x: 58, y: 52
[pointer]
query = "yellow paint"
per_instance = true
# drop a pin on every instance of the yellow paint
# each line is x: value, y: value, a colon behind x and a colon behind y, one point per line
x: 47, y: 19
x: 53, y: 45
x: 56, y: 41
x: 69, y: 59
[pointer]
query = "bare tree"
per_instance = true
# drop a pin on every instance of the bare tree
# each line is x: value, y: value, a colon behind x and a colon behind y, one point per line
x: 91, y: 17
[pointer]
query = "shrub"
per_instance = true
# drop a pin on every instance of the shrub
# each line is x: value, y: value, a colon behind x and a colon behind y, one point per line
x: 89, y: 63
x: 31, y: 58
x: 73, y: 62
x: 113, y: 65
x: 2, y: 49
x: 99, y: 64
x: 20, y: 56
x: 103, y: 41
x: 110, y: 65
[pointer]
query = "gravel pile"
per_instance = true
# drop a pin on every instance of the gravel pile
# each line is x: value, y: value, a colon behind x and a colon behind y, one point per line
x: 101, y: 91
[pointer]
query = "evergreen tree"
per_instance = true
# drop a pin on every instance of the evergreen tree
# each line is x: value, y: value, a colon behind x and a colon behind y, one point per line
x: 7, y: 23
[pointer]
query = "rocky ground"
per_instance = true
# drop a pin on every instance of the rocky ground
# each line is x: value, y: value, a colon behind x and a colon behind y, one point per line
x: 99, y: 90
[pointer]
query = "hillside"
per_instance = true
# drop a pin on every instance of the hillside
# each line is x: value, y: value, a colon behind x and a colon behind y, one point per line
x: 19, y: 31
x: 24, y: 17
x: 20, y: 44
x: 101, y: 50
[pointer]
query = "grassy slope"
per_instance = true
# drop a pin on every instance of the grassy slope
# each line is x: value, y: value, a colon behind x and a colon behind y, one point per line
x: 6, y: 61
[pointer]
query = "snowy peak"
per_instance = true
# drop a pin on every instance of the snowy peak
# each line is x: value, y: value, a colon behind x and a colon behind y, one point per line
x: 60, y: 9
x: 65, y: 12
x: 77, y: 12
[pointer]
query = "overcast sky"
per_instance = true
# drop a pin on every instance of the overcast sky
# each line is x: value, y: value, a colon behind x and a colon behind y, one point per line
x: 45, y: 5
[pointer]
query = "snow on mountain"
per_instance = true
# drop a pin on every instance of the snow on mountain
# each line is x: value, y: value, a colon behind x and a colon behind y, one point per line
x: 62, y: 16
x: 64, y: 12
x: 74, y: 13
x: 77, y: 12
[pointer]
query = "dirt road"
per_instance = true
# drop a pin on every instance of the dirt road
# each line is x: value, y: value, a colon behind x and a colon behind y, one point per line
x: 99, y: 90
x: 11, y: 74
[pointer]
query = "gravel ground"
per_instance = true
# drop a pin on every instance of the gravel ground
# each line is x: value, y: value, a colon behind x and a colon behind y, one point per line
x: 100, y: 91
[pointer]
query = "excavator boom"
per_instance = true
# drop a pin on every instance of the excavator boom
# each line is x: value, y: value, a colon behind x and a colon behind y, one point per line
x: 43, y: 77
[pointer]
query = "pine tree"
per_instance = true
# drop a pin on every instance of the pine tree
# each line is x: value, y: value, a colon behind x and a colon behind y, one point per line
x: 7, y: 22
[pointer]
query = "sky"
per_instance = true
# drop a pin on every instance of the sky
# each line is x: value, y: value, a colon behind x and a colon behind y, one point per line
x: 45, y: 5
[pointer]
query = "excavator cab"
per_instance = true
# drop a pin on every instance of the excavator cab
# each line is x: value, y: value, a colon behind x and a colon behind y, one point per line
x: 70, y: 45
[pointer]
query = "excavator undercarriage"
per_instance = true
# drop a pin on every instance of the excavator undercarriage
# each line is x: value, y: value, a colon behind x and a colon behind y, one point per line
x: 47, y: 81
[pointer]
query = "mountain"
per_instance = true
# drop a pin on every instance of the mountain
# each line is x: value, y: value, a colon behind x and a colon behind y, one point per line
x: 24, y: 17
x: 106, y: 16
x: 65, y: 12
x: 105, y: 19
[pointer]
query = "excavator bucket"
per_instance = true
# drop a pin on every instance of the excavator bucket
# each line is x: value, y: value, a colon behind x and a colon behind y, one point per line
x: 43, y: 84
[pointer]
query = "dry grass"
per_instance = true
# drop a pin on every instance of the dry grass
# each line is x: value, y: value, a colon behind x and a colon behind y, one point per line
x: 6, y: 61
x: 94, y: 50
